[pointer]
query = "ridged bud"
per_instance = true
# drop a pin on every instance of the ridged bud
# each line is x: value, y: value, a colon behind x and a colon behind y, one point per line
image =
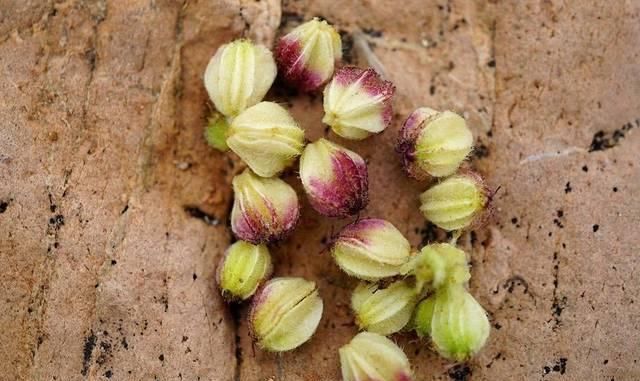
x: 438, y: 265
x: 334, y: 178
x: 456, y: 322
x: 372, y: 357
x: 285, y: 313
x: 265, y: 210
x: 242, y: 269
x: 238, y: 76
x: 371, y: 249
x: 307, y: 55
x: 383, y: 310
x: 434, y: 143
x: 357, y: 103
x: 458, y: 202
x: 266, y: 137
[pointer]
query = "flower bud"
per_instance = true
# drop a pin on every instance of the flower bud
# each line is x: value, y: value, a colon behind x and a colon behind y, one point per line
x: 456, y: 203
x: 440, y: 264
x: 265, y: 210
x: 242, y: 269
x: 370, y: 356
x: 266, y: 137
x: 371, y: 249
x: 434, y: 143
x: 285, y: 313
x: 307, y: 55
x: 238, y: 76
x: 456, y: 322
x: 334, y: 178
x: 383, y: 310
x: 357, y: 103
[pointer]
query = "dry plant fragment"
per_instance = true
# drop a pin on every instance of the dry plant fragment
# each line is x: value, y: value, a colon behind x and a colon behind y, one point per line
x: 238, y: 76
x: 265, y: 210
x: 307, y: 55
x: 434, y: 143
x: 458, y: 202
x: 357, y: 103
x: 455, y: 321
x: 242, y: 269
x: 266, y: 137
x: 371, y: 249
x: 334, y: 178
x: 370, y: 356
x: 285, y: 313
x: 383, y: 310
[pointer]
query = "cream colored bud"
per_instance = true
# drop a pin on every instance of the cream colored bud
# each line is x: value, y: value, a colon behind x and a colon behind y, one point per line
x: 238, y: 76
x: 373, y: 357
x: 383, y: 310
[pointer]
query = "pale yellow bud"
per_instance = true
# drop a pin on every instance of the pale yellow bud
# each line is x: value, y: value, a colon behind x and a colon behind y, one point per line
x: 383, y: 310
x: 373, y: 357
x: 242, y: 269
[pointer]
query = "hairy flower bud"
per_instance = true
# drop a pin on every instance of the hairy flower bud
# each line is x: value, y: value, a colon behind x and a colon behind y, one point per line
x: 434, y: 143
x: 438, y: 265
x: 285, y: 313
x: 357, y: 103
x: 266, y: 137
x: 307, y: 55
x: 334, y: 178
x: 456, y: 322
x: 265, y: 210
x: 238, y: 76
x: 456, y: 203
x: 371, y: 249
x: 383, y: 310
x: 242, y: 269
x: 370, y: 356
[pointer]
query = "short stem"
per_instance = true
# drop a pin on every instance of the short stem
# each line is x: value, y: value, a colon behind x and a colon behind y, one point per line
x: 216, y: 132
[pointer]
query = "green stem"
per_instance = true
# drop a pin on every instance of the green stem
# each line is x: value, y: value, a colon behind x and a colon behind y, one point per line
x: 216, y: 132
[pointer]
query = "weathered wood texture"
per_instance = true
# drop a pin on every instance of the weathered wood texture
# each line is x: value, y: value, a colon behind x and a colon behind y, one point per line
x: 113, y: 211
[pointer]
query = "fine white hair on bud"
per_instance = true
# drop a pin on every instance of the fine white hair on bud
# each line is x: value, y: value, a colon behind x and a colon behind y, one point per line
x: 307, y: 55
x: 434, y: 143
x: 371, y: 249
x: 265, y: 210
x: 383, y: 310
x: 458, y: 202
x: 370, y: 356
x: 238, y: 76
x: 285, y: 313
x: 242, y: 269
x: 357, y: 103
x: 455, y: 321
x: 266, y: 137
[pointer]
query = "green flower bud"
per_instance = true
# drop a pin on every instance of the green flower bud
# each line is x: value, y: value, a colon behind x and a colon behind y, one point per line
x: 372, y: 357
x: 285, y: 313
x: 238, y: 76
x: 434, y: 143
x: 265, y: 210
x: 242, y: 269
x: 357, y: 103
x: 267, y: 138
x: 307, y: 55
x: 438, y: 265
x: 456, y: 322
x: 383, y: 310
x: 456, y: 203
x: 371, y: 249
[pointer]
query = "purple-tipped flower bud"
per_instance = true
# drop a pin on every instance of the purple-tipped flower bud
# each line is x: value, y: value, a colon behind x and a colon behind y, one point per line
x: 357, y: 103
x: 457, y: 203
x: 434, y: 143
x: 373, y: 357
x: 334, y: 178
x: 307, y: 55
x: 264, y: 210
x: 285, y: 313
x: 371, y: 249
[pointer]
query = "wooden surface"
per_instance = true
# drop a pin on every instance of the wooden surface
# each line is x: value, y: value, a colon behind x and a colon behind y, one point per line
x: 113, y: 211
